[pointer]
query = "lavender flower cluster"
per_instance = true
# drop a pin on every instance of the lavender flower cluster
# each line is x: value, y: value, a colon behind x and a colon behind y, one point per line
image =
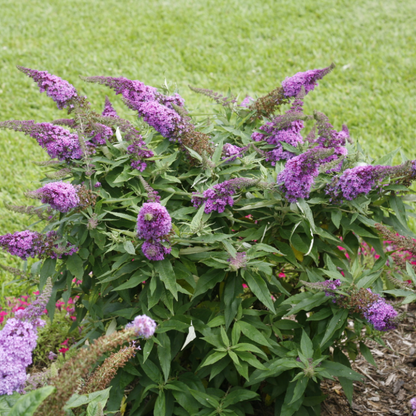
x: 413, y: 404
x: 231, y: 152
x: 370, y: 305
x: 17, y: 342
x: 292, y: 86
x: 100, y: 134
x: 220, y: 195
x: 61, y: 91
x: 381, y: 315
x: 109, y: 110
x: 139, y: 152
x: 155, y: 108
x: 298, y: 176
x: 282, y: 130
x: 25, y: 244
x: 143, y: 326
x: 57, y: 141
x: 153, y: 225
x: 61, y: 196
x: 362, y: 179
x: 163, y: 119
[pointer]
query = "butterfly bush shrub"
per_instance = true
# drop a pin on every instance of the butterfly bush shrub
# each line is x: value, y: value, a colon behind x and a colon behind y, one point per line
x: 240, y: 234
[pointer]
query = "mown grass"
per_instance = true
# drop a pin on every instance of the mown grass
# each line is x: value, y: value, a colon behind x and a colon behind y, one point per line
x: 246, y: 45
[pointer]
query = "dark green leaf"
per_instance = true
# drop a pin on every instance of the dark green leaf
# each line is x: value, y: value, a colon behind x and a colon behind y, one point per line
x: 167, y: 276
x: 29, y: 402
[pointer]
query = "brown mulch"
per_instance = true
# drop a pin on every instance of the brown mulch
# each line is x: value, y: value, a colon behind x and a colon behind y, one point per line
x: 388, y: 387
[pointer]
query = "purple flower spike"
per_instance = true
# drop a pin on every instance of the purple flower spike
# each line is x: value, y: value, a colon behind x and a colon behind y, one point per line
x: 61, y: 196
x: 163, y: 119
x: 155, y: 251
x: 293, y: 85
x: 220, y: 195
x: 131, y: 90
x: 139, y: 151
x: 230, y: 150
x: 109, y: 109
x: 57, y: 141
x: 61, y: 91
x: 299, y: 174
x: 143, y: 326
x: 247, y: 101
x: 153, y: 221
x: 381, y: 315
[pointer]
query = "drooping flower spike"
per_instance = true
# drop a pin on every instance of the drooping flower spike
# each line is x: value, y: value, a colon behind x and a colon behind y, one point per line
x: 293, y: 85
x: 61, y: 91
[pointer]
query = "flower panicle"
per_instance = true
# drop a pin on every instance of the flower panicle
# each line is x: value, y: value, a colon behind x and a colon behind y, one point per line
x: 66, y: 381
x: 62, y: 92
x: 152, y: 195
x: 267, y: 105
x: 14, y: 271
x: 102, y: 376
x: 109, y: 110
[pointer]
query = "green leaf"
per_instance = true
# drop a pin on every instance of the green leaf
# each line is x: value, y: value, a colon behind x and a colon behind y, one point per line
x: 75, y: 264
x: 253, y: 333
x: 306, y: 345
x: 336, y: 216
x: 365, y: 351
x: 7, y: 402
x: 167, y: 276
x: 239, y: 395
x: 213, y: 358
x: 258, y: 286
x: 397, y: 205
x: 47, y: 270
x: 160, y: 405
x: 134, y: 281
x: 335, y: 323
x: 340, y: 370
x: 289, y: 408
x: 77, y: 400
x: 29, y: 402
x: 205, y: 399
x: 129, y: 247
x: 207, y: 281
x: 387, y: 159
x: 164, y: 354
x: 300, y: 388
x: 197, y: 219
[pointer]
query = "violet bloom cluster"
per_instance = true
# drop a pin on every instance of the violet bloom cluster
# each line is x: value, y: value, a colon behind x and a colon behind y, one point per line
x: 61, y: 91
x: 231, y: 151
x: 220, y: 195
x: 101, y: 134
x: 143, y: 326
x: 139, y: 152
x: 153, y: 225
x: 280, y: 131
x: 247, y: 101
x: 298, y: 176
x: 413, y: 404
x: 57, y: 141
x: 292, y: 86
x: 25, y: 244
x: 381, y: 315
x: 17, y: 342
x: 109, y: 110
x: 163, y: 119
x: 356, y: 181
x: 61, y: 196
x: 136, y: 91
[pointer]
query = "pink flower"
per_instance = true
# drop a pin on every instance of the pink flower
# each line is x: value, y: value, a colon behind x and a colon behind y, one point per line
x: 74, y: 318
x: 245, y: 286
x: 36, y: 293
x: 65, y: 342
x: 63, y: 350
x: 281, y: 275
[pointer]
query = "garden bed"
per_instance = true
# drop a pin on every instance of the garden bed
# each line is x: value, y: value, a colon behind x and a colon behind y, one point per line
x: 388, y: 387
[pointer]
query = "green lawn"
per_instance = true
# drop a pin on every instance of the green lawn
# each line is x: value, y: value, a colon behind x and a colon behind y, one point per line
x: 246, y: 45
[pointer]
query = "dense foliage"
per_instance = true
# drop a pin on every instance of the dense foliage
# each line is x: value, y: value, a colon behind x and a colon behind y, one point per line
x: 224, y: 230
